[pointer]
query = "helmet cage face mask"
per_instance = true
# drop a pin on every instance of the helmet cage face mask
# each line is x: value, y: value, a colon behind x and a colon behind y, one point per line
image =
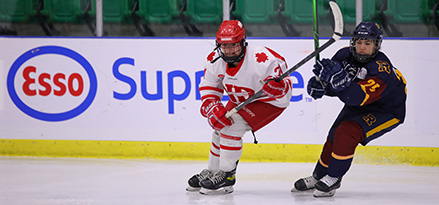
x: 366, y: 31
x: 232, y: 59
x: 231, y: 31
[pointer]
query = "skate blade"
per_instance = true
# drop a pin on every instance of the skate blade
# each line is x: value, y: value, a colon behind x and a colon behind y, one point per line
x: 296, y: 190
x: 222, y: 190
x: 191, y: 188
x: 318, y: 193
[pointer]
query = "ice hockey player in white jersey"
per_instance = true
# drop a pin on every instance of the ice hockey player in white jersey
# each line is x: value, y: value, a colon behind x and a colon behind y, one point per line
x: 239, y: 69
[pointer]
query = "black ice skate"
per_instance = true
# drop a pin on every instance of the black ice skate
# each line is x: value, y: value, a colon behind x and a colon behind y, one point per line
x: 219, y: 183
x: 326, y: 186
x: 304, y: 184
x: 194, y: 181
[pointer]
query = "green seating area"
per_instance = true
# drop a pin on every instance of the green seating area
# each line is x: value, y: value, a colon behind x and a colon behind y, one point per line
x: 192, y: 14
x: 159, y: 11
x: 347, y: 7
x: 114, y: 11
x: 17, y: 10
x: 256, y: 11
x: 63, y: 11
x: 407, y: 11
x: 204, y: 11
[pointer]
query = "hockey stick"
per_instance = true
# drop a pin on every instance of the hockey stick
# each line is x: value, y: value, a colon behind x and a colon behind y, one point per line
x: 338, y: 31
x: 316, y: 27
x: 316, y: 35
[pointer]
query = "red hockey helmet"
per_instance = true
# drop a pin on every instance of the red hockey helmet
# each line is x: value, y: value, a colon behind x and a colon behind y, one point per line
x: 230, y: 31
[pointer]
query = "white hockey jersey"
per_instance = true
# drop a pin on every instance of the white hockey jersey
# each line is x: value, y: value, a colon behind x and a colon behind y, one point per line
x: 241, y: 82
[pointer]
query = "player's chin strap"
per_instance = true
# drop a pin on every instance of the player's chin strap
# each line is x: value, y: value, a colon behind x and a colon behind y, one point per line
x: 219, y: 56
x: 234, y: 59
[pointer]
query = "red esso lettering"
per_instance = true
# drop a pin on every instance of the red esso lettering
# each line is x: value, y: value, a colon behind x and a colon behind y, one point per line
x: 59, y: 87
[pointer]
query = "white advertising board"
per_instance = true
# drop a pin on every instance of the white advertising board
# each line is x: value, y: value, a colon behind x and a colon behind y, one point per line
x: 146, y: 89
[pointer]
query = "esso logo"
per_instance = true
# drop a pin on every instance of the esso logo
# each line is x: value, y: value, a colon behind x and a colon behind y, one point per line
x: 52, y: 83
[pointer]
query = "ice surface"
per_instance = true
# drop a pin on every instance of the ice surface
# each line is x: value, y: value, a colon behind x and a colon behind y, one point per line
x: 25, y: 180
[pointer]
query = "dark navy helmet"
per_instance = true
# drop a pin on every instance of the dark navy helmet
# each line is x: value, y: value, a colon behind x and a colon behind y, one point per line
x: 366, y: 30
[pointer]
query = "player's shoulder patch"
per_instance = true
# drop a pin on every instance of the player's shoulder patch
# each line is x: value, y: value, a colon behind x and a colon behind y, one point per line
x: 381, y: 63
x: 261, y: 57
x: 384, y: 66
x: 211, y: 56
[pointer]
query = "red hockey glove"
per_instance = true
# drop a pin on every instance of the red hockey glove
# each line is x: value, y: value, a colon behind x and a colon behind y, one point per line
x: 275, y: 89
x: 217, y: 119
x: 208, y: 105
x: 215, y: 113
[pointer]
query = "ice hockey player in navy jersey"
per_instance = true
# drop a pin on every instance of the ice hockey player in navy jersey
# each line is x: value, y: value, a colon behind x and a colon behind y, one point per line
x: 374, y: 95
x: 240, y: 69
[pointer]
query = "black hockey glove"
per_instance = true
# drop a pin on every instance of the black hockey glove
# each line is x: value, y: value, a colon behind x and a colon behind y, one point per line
x: 333, y: 74
x: 317, y: 68
x: 315, y: 88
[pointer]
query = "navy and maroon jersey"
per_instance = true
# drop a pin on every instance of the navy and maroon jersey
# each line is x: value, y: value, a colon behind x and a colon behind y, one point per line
x: 377, y: 85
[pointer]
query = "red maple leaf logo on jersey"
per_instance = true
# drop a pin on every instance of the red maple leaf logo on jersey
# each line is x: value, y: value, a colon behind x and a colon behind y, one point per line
x: 261, y: 57
x: 210, y: 56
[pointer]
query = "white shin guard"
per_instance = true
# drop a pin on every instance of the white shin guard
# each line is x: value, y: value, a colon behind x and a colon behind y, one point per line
x: 231, y: 143
x: 231, y: 150
x: 214, y: 155
x: 226, y: 147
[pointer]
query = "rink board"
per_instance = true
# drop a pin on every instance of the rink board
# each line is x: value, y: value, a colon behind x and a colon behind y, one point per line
x: 110, y: 97
x: 419, y: 156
